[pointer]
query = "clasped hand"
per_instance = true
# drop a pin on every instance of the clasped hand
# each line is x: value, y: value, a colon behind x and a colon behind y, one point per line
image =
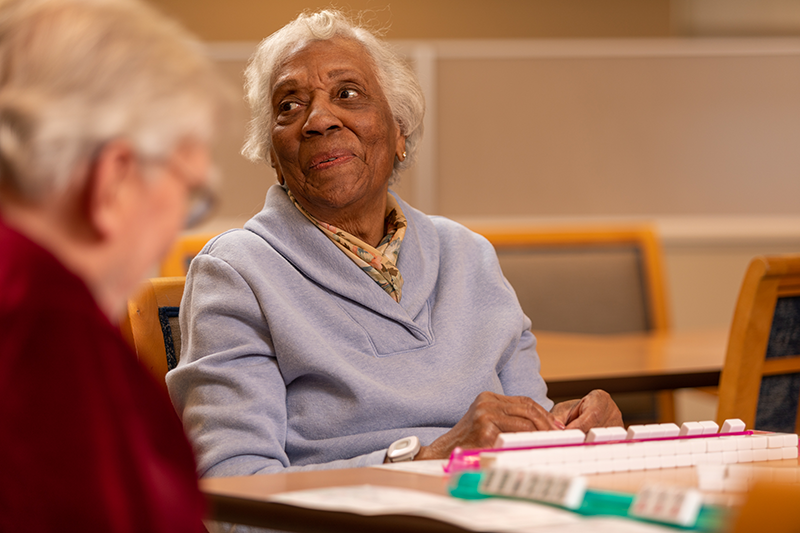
x: 491, y: 414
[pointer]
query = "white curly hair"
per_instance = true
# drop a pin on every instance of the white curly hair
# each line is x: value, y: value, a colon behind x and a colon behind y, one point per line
x: 397, y: 80
x: 75, y: 74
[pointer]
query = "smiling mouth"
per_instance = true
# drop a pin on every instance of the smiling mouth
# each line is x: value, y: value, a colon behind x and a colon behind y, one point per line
x: 331, y: 161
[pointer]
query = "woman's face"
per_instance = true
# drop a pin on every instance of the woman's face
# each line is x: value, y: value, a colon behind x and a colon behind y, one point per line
x: 334, y: 139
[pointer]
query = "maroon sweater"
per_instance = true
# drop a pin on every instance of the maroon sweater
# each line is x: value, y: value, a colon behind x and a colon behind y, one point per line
x: 88, y: 439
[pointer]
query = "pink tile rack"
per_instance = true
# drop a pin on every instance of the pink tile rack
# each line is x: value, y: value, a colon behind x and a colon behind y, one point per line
x: 642, y: 447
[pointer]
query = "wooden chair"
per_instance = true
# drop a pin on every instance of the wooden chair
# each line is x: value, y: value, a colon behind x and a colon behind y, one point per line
x: 151, y: 325
x: 592, y: 279
x: 176, y: 263
x: 760, y: 382
x: 596, y: 279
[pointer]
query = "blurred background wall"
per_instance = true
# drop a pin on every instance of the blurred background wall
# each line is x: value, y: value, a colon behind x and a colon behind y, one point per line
x: 685, y: 113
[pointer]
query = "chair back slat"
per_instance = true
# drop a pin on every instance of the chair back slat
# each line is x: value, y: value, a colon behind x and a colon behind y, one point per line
x: 760, y: 381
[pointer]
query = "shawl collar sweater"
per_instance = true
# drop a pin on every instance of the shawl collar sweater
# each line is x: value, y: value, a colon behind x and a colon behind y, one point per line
x: 293, y: 358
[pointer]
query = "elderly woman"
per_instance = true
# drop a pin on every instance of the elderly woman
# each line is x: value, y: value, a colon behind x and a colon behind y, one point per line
x: 106, y: 112
x: 341, y: 320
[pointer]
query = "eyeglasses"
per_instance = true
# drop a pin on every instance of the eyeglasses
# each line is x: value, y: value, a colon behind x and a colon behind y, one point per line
x: 202, y: 197
x: 203, y: 200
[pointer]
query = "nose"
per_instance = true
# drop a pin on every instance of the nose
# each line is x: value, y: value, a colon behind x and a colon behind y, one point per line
x: 321, y: 117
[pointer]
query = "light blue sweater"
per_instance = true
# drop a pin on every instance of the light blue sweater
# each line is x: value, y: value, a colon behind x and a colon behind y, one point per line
x: 293, y: 358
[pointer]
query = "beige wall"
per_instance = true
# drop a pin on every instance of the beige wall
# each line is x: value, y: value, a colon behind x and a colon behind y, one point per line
x: 699, y: 136
x: 238, y: 20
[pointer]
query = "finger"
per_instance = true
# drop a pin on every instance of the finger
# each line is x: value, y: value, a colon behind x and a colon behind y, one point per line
x: 531, y: 413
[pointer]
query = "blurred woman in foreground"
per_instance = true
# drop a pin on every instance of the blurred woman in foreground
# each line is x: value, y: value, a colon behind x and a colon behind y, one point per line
x: 106, y: 114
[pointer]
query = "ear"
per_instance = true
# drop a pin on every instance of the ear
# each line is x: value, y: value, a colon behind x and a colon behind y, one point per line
x: 400, y: 146
x: 274, y: 161
x: 109, y: 187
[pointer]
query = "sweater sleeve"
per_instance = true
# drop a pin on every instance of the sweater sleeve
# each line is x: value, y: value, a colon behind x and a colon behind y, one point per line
x: 521, y: 374
x: 228, y: 388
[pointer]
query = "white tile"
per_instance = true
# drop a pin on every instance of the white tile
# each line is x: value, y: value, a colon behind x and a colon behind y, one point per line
x: 758, y: 441
x: 589, y: 453
x: 714, y: 458
x: 790, y: 452
x: 655, y: 430
x: 790, y: 440
x: 638, y: 431
x: 745, y: 456
x: 604, y: 452
x: 775, y: 441
x: 618, y: 451
x: 709, y: 427
x: 596, y: 435
x: 604, y: 466
x: 732, y: 425
x: 636, y: 450
x: 570, y: 436
x: 616, y: 433
x: 729, y: 444
x: 574, y: 454
x: 730, y: 456
x: 683, y: 459
x: 713, y: 445
x: 699, y: 445
x: 652, y: 463
x: 669, y: 430
x: 774, y: 454
x: 636, y: 463
x: 495, y: 482
x: 683, y: 446
x: 667, y: 447
x: 760, y: 454
x: 691, y: 428
x: 744, y: 443
x: 651, y: 448
x: 620, y: 465
x: 668, y: 461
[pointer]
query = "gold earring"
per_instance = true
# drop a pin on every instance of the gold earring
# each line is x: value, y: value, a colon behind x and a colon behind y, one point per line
x: 404, y: 155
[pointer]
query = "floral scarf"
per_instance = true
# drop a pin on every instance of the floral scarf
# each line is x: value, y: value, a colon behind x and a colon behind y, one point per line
x: 379, y: 263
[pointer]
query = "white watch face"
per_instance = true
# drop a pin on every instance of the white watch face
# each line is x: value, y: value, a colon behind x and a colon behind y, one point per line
x: 403, y: 450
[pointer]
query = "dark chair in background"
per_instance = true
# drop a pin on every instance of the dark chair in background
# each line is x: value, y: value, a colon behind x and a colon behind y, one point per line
x: 760, y: 382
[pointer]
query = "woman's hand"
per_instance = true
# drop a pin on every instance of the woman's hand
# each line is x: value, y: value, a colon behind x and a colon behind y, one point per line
x: 488, y: 416
x: 596, y: 409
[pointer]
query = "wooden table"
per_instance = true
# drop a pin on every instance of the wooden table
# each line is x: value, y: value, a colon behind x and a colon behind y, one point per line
x: 244, y: 499
x: 574, y: 364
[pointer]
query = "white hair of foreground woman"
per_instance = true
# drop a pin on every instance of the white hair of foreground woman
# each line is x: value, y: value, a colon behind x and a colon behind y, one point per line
x: 75, y: 74
x: 397, y: 80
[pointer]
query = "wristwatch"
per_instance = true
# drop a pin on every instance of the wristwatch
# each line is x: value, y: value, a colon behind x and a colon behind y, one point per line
x: 403, y: 450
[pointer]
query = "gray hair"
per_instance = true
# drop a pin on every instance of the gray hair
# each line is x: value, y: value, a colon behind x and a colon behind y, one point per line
x: 397, y: 80
x: 75, y: 74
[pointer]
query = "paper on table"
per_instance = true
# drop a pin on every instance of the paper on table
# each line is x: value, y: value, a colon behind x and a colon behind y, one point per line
x: 433, y: 467
x: 599, y: 525
x: 492, y: 514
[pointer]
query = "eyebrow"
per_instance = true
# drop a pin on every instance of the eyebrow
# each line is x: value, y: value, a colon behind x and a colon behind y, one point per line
x: 334, y: 75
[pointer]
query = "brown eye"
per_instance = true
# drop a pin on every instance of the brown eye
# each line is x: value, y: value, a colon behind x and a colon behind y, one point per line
x: 285, y: 107
x: 348, y: 93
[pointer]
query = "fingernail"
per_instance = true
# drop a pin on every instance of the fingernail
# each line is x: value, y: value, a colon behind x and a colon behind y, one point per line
x: 560, y: 424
